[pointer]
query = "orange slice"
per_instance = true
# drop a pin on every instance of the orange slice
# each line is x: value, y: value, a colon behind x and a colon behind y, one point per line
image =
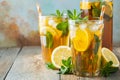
x: 82, y: 39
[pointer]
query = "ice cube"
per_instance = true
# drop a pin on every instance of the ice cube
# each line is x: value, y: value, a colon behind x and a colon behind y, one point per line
x: 43, y: 40
x: 93, y: 27
x: 83, y: 26
x: 52, y: 23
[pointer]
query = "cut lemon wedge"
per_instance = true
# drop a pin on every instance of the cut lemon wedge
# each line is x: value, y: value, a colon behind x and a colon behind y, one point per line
x: 108, y: 55
x: 60, y: 53
x: 82, y: 39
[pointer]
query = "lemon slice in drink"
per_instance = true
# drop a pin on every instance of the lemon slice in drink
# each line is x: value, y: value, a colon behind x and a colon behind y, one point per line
x: 108, y: 55
x: 43, y: 30
x: 109, y: 9
x: 60, y: 53
x: 85, y: 5
x: 82, y: 39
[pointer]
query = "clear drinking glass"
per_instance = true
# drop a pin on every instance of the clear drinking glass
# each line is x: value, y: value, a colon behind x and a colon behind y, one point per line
x: 52, y: 34
x: 92, y: 8
x: 86, y: 42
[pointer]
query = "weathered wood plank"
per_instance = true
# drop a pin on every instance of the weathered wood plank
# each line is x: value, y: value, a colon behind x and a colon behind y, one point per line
x: 115, y: 76
x: 117, y: 52
x: 73, y: 77
x: 7, y: 57
x: 29, y: 66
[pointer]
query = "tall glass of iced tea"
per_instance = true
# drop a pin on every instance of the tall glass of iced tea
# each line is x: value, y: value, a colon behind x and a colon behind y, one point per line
x: 86, y: 42
x: 52, y: 34
x: 92, y: 8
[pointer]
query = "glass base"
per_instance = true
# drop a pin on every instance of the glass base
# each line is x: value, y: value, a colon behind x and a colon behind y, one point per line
x: 86, y: 74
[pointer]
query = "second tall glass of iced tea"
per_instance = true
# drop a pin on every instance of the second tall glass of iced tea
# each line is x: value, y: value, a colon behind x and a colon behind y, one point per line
x: 53, y: 33
x: 86, y: 46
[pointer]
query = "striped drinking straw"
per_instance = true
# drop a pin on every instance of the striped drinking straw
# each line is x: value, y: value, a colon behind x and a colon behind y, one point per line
x: 102, y: 12
x: 101, y: 15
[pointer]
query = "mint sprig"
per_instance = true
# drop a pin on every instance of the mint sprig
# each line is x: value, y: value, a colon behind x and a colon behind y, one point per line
x: 97, y: 44
x: 75, y: 16
x: 50, y: 66
x: 107, y: 69
x: 49, y: 40
x: 63, y: 26
x: 58, y: 13
x: 67, y: 66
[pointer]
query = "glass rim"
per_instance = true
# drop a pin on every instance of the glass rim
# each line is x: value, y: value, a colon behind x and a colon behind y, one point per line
x: 50, y: 16
x: 84, y: 20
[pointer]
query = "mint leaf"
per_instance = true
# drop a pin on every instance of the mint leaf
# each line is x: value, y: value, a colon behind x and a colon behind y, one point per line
x: 67, y: 66
x: 63, y: 26
x: 70, y: 14
x: 50, y: 66
x: 85, y: 18
x: 97, y: 44
x: 49, y: 40
x: 58, y: 13
x: 67, y: 63
x: 107, y: 69
x: 73, y: 15
x: 96, y: 12
x: 63, y: 70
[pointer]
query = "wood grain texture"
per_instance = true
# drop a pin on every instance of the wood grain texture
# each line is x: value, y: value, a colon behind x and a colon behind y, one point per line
x: 115, y: 76
x: 117, y: 52
x: 29, y: 66
x: 7, y: 57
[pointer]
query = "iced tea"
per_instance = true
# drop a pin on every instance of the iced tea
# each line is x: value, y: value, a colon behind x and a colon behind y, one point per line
x: 86, y: 42
x: 92, y: 8
x: 52, y: 34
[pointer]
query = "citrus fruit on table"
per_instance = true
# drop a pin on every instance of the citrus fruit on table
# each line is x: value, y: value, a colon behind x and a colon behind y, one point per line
x: 108, y: 55
x: 60, y: 53
x: 82, y: 39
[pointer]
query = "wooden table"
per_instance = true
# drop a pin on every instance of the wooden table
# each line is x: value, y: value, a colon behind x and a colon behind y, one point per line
x: 26, y: 64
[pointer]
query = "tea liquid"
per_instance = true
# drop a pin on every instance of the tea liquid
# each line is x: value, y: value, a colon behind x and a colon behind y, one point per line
x: 92, y: 10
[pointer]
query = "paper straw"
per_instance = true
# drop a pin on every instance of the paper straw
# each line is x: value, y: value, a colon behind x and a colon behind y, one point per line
x: 101, y: 15
x: 39, y: 14
x: 38, y: 9
x: 102, y: 12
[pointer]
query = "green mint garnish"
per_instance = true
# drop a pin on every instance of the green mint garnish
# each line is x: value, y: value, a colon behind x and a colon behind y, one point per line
x: 97, y: 44
x: 49, y: 40
x: 107, y: 69
x: 95, y: 11
x: 50, y: 66
x: 63, y: 26
x: 75, y: 16
x: 58, y: 13
x: 67, y: 66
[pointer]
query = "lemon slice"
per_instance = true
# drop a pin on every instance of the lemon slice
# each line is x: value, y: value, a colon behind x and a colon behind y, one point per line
x: 60, y: 53
x: 44, y: 29
x: 110, y: 56
x: 82, y: 39
x: 85, y: 5
x: 109, y: 9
